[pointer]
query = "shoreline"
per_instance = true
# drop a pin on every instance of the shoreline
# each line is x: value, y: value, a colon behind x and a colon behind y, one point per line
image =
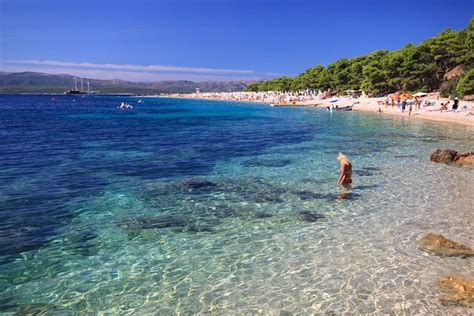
x: 431, y: 113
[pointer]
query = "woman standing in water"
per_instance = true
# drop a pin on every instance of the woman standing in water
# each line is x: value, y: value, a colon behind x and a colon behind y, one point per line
x: 345, y: 177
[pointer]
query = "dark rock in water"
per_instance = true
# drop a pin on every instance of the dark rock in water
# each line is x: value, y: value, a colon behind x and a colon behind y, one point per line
x: 152, y: 222
x: 254, y: 189
x: 224, y: 212
x: 308, y: 195
x: 82, y: 242
x: 347, y: 196
x: 307, y: 216
x: 444, y: 156
x: 135, y: 225
x: 278, y: 190
x: 30, y: 222
x: 439, y: 245
x: 199, y: 228
x: 460, y: 291
x: 429, y: 140
x: 270, y: 163
x: 371, y: 168
x: 363, y: 187
x: 466, y: 159
x: 342, y: 196
x: 198, y: 183
x: 261, y: 215
x: 263, y: 198
x: 449, y: 156
x: 363, y: 173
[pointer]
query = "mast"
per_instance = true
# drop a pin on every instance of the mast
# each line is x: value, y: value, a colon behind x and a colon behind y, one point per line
x: 75, y: 83
x: 88, y: 87
x: 82, y: 86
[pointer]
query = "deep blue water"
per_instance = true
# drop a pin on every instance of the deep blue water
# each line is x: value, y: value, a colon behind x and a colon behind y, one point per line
x: 60, y: 145
x: 130, y: 196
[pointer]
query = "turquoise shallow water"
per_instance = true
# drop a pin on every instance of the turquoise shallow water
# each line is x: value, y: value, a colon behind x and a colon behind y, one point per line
x: 185, y: 206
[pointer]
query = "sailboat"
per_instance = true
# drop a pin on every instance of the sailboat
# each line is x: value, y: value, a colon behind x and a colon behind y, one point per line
x: 76, y: 91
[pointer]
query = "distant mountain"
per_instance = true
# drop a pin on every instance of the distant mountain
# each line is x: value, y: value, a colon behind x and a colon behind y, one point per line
x: 35, y: 82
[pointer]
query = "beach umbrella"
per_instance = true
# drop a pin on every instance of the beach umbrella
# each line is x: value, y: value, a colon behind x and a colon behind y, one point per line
x: 406, y: 96
x: 396, y: 96
x: 420, y: 94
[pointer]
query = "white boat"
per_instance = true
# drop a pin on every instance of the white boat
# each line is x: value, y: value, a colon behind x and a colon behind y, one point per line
x: 125, y: 106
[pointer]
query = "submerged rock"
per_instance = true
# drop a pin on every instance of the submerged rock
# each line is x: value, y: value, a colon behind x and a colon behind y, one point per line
x: 363, y: 173
x: 197, y: 183
x: 460, y: 291
x: 267, y: 197
x: 344, y: 195
x: 223, y: 212
x: 270, y: 163
x: 449, y: 156
x: 152, y: 222
x: 429, y: 140
x: 307, y: 216
x: 134, y: 225
x: 439, y: 245
x: 371, y: 168
x: 82, y: 242
x: 261, y: 215
x: 309, y: 195
x: 364, y: 187
x: 200, y: 228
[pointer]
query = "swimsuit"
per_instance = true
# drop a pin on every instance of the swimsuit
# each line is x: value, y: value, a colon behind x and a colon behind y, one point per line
x: 347, y: 175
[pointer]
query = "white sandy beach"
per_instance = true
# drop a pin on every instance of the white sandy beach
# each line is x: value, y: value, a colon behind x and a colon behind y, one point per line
x: 432, y: 112
x: 428, y: 112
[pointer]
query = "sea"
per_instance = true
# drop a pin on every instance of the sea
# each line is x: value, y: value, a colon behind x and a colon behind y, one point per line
x: 182, y: 206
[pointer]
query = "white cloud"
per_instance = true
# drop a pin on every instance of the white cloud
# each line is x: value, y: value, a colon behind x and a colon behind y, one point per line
x: 133, y: 76
x: 161, y: 68
x: 131, y: 72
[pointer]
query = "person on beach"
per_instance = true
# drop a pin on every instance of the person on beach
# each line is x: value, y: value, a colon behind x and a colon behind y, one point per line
x: 442, y: 108
x: 417, y: 103
x: 345, y: 177
x: 404, y: 104
x: 410, y: 108
x: 446, y: 105
x: 455, y: 104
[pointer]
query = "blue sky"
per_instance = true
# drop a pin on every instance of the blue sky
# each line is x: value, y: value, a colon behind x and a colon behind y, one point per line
x: 210, y: 39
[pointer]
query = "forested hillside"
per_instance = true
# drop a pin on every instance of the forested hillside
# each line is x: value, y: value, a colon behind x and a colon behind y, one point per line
x: 411, y: 68
x: 34, y: 82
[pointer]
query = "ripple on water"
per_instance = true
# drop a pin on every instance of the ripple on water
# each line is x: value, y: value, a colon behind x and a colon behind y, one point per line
x: 172, y: 210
